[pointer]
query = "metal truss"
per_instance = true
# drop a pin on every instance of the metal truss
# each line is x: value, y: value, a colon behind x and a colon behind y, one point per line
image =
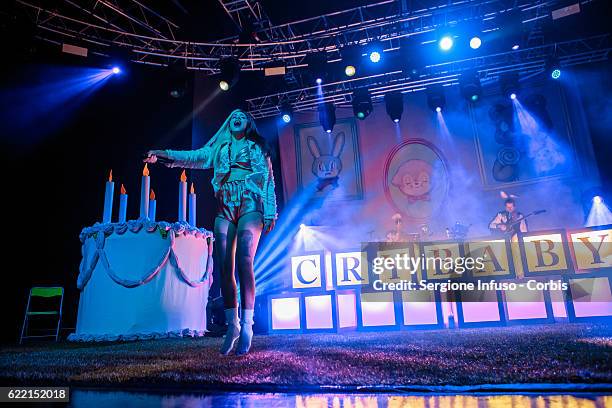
x: 104, y: 25
x: 249, y: 15
x: 100, y: 24
x: 527, y: 62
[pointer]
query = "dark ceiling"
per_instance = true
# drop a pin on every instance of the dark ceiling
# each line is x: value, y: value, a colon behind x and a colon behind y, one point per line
x: 206, y: 20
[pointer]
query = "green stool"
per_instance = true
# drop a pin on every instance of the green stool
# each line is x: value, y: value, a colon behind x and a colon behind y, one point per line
x: 42, y: 292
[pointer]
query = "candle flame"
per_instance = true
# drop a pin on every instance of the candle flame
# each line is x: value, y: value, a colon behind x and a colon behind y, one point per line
x: 123, y: 191
x: 145, y: 170
x: 110, y: 175
x: 183, y: 176
x: 152, y: 195
x: 192, y: 190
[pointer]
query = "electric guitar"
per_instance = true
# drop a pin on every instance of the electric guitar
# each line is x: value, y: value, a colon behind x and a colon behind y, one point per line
x: 513, y: 226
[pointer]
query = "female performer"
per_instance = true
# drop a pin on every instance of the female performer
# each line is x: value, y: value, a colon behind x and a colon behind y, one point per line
x: 246, y: 204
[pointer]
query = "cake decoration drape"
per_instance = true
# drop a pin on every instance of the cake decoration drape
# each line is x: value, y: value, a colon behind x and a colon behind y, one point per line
x: 93, y: 251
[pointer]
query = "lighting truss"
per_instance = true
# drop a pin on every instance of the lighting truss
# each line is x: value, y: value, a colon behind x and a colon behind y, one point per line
x: 153, y: 39
x: 527, y: 62
x: 131, y: 24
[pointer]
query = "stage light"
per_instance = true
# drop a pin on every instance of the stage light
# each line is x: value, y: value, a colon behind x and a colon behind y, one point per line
x: 469, y: 86
x: 394, y: 103
x: 446, y: 43
x: 120, y: 58
x: 411, y: 56
x: 598, y: 212
x: 178, y: 80
x: 509, y: 84
x: 374, y: 51
x: 229, y: 69
x: 475, y: 43
x: 351, y: 57
x: 511, y: 29
x: 327, y: 116
x: 553, y: 67
x: 317, y: 65
x: 362, y: 103
x: 286, y: 112
x: 435, y: 98
x: 302, y: 226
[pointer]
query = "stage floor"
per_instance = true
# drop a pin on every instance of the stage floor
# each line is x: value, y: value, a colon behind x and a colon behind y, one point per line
x: 90, y: 398
x: 562, y: 353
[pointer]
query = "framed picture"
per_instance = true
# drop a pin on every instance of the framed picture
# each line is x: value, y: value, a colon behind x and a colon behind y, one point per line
x: 416, y: 179
x: 329, y: 164
x: 524, y: 140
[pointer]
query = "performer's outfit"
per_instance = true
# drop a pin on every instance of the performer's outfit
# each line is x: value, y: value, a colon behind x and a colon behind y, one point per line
x: 238, y: 197
x: 234, y: 199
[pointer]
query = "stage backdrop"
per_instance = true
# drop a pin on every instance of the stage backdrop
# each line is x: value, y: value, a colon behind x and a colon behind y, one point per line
x: 436, y: 170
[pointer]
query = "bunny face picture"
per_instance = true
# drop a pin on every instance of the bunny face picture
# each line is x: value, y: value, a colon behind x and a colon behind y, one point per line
x: 326, y: 167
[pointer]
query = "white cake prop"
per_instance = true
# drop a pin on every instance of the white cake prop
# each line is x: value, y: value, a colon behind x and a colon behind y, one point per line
x: 143, y: 279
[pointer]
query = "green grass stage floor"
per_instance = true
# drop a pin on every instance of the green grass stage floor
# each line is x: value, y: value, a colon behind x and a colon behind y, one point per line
x: 560, y: 353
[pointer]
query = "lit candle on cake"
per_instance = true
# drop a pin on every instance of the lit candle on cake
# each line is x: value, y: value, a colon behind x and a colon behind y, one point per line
x: 152, y: 205
x: 144, y: 192
x: 182, y: 204
x: 108, y: 199
x: 123, y: 204
x: 192, y: 206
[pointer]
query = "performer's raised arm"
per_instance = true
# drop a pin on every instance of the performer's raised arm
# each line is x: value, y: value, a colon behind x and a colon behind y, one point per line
x: 191, y: 159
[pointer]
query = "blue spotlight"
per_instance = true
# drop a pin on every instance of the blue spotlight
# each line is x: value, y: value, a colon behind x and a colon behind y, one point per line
x: 597, y: 200
x: 375, y: 56
x: 302, y: 226
x: 116, y: 70
x: 286, y: 111
x: 438, y: 109
x: 319, y: 81
x: 475, y: 43
x: 513, y: 96
x: 515, y: 47
x: 556, y: 73
x: 446, y: 43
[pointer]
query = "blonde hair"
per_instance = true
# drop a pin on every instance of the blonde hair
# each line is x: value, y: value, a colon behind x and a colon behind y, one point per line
x: 223, y: 135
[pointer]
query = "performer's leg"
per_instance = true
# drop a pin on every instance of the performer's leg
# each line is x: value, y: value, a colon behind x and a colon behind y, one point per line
x: 249, y: 230
x: 225, y: 248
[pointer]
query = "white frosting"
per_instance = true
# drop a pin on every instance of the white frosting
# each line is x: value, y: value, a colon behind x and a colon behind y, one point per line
x: 100, y: 231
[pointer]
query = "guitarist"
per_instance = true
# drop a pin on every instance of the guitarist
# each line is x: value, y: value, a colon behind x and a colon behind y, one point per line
x: 503, y: 223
